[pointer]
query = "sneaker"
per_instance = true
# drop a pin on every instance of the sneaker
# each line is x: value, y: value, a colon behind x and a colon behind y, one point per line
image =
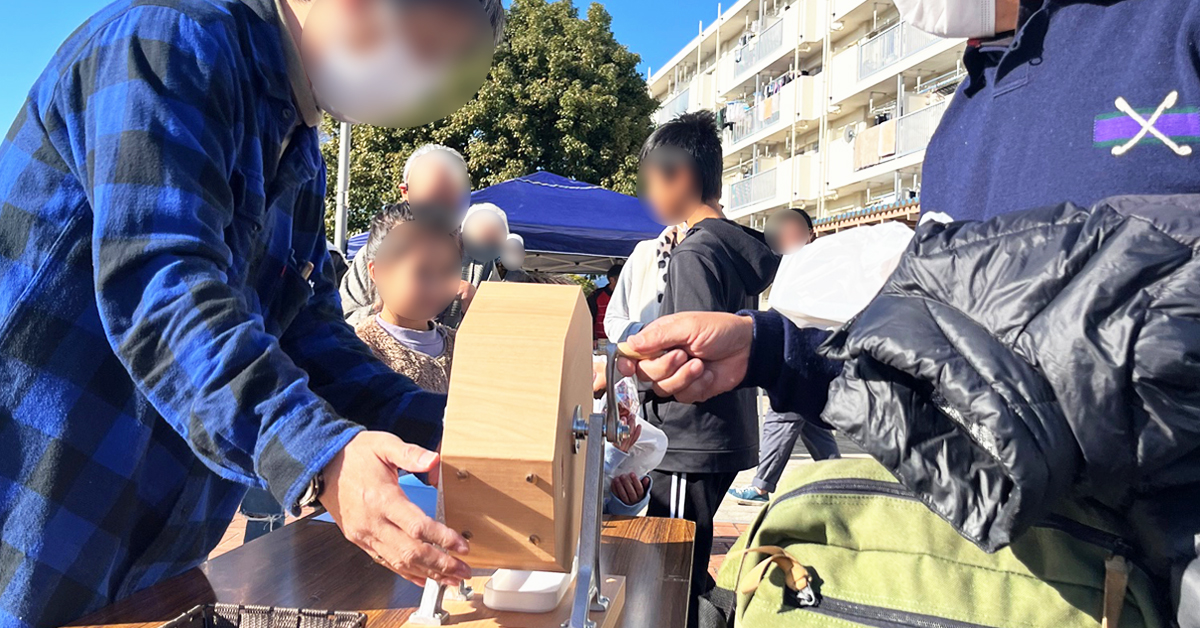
x: 748, y: 496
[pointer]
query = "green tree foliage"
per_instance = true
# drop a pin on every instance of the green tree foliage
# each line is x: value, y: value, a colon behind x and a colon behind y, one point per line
x: 587, y: 282
x: 563, y: 96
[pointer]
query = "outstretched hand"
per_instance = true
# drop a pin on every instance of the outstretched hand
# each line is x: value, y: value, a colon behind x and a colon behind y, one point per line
x: 363, y: 496
x: 700, y: 354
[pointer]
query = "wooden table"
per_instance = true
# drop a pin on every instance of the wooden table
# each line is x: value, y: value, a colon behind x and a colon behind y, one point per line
x: 309, y: 564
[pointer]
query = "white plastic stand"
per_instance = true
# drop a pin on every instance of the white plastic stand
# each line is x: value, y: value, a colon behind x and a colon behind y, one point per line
x: 526, y: 591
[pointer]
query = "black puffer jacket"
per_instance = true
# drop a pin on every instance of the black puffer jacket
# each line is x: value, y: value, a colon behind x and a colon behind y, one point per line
x: 1054, y: 352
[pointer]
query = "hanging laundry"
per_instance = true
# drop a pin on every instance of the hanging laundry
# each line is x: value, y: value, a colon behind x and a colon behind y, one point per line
x: 736, y: 111
x: 887, y: 139
x: 776, y: 84
x: 768, y: 107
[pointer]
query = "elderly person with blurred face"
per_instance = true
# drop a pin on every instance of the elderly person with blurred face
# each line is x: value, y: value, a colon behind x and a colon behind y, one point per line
x: 437, y: 187
x: 168, y: 296
x: 512, y: 256
x: 483, y: 231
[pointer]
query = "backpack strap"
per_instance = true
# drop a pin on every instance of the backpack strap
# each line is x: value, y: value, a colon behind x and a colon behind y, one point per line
x: 1116, y: 581
x: 795, y: 575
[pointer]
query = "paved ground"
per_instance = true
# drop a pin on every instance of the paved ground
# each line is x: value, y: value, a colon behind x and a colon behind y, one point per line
x: 732, y: 512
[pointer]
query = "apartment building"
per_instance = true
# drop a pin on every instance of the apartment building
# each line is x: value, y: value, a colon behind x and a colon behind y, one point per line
x: 825, y: 104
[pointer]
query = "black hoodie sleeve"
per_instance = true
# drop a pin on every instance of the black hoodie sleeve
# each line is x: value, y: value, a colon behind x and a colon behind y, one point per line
x: 693, y: 285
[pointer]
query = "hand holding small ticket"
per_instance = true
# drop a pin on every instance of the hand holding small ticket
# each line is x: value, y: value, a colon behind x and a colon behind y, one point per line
x: 691, y: 356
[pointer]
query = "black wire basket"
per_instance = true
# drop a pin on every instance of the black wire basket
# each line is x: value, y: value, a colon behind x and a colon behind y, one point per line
x: 247, y: 616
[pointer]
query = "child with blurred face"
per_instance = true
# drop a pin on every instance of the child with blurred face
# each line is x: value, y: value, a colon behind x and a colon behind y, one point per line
x: 720, y: 266
x: 672, y: 188
x: 680, y: 170
x: 416, y: 270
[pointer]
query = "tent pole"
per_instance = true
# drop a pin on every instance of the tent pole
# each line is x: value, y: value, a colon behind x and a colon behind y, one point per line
x: 343, y: 193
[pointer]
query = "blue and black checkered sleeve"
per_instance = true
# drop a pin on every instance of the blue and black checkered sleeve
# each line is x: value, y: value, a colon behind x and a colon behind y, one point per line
x: 344, y: 372
x: 156, y: 98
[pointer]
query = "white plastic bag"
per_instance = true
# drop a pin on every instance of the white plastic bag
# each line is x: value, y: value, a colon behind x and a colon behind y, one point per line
x: 650, y: 448
x: 829, y: 281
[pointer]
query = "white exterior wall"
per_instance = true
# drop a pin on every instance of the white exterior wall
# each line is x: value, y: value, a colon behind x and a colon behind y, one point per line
x: 796, y: 151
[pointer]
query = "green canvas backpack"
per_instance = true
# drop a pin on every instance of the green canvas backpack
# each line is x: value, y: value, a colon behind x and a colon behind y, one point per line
x: 844, y: 544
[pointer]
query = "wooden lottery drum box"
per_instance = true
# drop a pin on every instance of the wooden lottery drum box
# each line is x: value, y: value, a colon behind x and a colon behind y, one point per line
x: 511, y: 478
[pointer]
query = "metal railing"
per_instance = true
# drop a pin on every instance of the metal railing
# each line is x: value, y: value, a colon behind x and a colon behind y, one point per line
x: 768, y: 41
x: 890, y: 47
x: 676, y: 105
x: 753, y: 189
x: 754, y: 120
x: 914, y: 130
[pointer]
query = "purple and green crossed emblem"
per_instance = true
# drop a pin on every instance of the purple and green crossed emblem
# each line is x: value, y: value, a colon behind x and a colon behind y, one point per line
x: 1166, y: 125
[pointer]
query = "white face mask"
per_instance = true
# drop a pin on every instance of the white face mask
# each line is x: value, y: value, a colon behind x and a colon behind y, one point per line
x: 951, y: 18
x: 377, y: 87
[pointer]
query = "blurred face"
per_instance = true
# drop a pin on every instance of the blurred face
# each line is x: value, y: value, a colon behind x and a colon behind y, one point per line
x: 417, y: 272
x: 483, y: 235
x: 512, y: 254
x: 787, y: 232
x: 792, y: 236
x: 398, y: 63
x: 434, y: 181
x: 669, y: 190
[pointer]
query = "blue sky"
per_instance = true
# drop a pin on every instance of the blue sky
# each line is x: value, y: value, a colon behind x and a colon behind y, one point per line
x: 32, y: 29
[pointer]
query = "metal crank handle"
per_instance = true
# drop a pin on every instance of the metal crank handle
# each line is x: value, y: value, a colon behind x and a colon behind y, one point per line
x: 626, y: 350
x: 615, y: 431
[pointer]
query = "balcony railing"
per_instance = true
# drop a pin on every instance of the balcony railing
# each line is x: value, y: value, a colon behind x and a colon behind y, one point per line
x: 914, y: 130
x: 890, y: 47
x: 755, y: 119
x: 676, y: 105
x: 753, y: 189
x: 767, y: 42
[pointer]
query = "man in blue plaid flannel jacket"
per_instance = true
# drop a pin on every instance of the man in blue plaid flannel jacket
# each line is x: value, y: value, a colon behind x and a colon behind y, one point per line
x: 169, y: 328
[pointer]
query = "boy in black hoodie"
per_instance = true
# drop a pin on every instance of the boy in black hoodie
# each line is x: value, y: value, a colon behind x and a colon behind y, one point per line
x: 719, y: 266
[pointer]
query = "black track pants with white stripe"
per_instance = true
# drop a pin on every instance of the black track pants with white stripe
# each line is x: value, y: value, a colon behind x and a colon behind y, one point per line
x: 695, y: 497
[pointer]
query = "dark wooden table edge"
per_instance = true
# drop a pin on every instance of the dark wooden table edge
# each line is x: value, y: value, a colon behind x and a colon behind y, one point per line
x: 196, y: 579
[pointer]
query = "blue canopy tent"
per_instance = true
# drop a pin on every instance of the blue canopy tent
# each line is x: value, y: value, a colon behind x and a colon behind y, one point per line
x: 568, y: 225
x: 355, y: 243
